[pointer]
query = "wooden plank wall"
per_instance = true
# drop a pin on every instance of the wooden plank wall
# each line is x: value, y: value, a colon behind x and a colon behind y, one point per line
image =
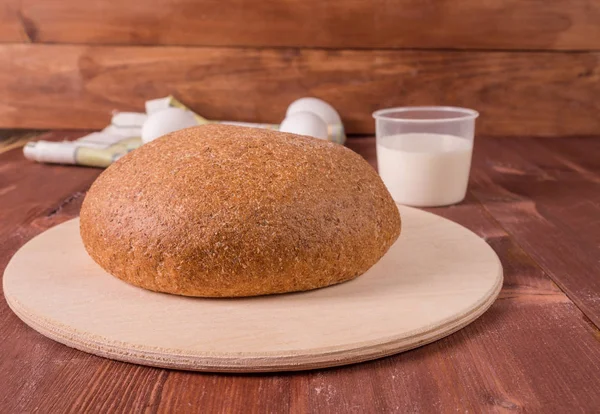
x: 531, y: 67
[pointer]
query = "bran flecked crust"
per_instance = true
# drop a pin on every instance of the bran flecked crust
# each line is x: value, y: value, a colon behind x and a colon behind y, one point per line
x: 225, y: 211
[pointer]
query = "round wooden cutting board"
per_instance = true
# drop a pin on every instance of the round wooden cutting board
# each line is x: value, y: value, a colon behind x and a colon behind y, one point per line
x: 437, y: 278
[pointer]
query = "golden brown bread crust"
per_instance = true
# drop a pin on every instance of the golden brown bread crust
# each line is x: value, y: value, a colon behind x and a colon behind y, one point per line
x: 230, y: 211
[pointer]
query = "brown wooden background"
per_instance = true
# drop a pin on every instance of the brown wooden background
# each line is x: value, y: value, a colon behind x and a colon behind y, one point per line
x: 531, y: 67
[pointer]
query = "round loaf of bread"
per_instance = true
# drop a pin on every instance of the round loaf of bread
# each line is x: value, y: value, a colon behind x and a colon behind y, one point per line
x: 224, y: 211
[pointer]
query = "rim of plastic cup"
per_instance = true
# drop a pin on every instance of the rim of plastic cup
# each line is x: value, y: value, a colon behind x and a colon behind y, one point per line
x: 382, y: 114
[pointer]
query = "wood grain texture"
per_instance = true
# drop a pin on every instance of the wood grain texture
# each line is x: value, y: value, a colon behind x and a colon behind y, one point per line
x: 536, y: 187
x: 544, y: 94
x: 533, y: 351
x: 532, y: 24
x: 33, y: 196
x: 12, y: 23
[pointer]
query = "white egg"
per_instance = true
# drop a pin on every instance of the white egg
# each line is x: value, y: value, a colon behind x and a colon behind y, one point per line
x: 304, y: 123
x: 318, y: 107
x: 165, y: 121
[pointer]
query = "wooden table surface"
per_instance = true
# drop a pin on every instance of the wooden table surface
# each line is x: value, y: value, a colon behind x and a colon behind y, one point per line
x: 535, y: 201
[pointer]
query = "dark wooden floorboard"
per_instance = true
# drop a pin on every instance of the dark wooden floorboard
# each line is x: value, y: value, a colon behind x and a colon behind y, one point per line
x: 549, y: 202
x: 534, y: 350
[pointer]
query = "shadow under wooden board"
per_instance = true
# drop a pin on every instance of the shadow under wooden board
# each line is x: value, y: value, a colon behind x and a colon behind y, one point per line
x: 437, y: 278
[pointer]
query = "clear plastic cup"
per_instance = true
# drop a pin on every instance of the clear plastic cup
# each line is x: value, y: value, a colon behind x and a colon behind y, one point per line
x: 424, y: 153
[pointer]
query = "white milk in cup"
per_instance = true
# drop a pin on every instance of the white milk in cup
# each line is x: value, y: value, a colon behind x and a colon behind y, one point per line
x: 424, y: 153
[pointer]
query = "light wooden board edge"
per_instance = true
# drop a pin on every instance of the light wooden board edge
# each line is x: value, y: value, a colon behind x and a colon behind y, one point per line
x: 165, y: 358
